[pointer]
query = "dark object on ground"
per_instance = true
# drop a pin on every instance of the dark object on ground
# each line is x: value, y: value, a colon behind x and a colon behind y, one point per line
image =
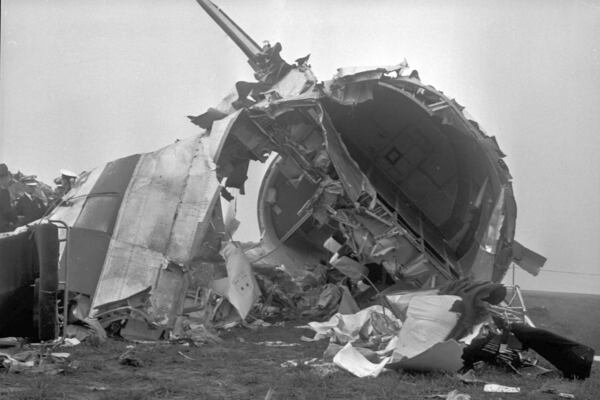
x: 500, y: 349
x: 474, y: 295
x: 128, y: 358
x: 573, y: 359
x: 18, y: 273
x: 45, y: 314
x: 27, y: 308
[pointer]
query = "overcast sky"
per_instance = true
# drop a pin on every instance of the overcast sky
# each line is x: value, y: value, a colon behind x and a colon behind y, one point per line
x: 87, y: 81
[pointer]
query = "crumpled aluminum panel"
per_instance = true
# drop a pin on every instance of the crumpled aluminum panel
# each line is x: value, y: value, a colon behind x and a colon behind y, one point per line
x: 169, y: 200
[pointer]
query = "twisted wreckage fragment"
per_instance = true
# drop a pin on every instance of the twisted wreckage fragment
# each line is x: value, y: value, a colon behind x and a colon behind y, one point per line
x: 384, y: 170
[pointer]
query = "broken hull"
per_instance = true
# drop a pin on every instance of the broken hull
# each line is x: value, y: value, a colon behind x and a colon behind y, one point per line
x: 405, y: 158
x: 136, y: 225
x: 387, y: 167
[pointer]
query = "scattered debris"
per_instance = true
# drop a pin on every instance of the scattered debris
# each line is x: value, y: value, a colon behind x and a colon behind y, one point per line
x: 452, y: 395
x: 13, y: 365
x: 347, y: 328
x: 295, y: 363
x: 455, y: 395
x: 62, y: 356
x: 573, y: 359
x: 97, y: 388
x: 240, y: 288
x: 566, y: 395
x: 70, y: 342
x: 470, y: 378
x: 269, y: 394
x: 321, y: 368
x: 353, y: 361
x: 562, y: 389
x: 194, y: 333
x: 41, y: 360
x: 425, y: 209
x: 334, y: 348
x: 435, y: 205
x: 128, y: 358
x: 495, y: 388
x: 185, y: 356
x: 9, y: 342
x: 419, y: 342
x: 277, y: 343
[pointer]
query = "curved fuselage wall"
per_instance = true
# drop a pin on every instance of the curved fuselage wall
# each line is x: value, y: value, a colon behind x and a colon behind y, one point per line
x: 438, y: 171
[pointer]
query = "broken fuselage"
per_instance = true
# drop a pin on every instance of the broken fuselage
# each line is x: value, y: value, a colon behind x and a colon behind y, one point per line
x: 386, y: 161
x: 389, y: 166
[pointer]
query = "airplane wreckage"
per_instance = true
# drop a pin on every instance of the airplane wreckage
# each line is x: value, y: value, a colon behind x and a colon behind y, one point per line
x: 373, y: 169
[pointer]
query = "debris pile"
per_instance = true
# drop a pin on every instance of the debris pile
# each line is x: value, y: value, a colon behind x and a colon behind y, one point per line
x: 41, y: 359
x: 418, y: 331
x: 453, y: 328
x: 375, y: 177
x: 377, y: 185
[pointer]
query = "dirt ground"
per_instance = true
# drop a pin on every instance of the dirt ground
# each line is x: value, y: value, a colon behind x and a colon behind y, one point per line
x: 239, y: 368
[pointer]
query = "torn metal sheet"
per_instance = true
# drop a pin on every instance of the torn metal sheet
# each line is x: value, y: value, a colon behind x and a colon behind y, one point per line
x: 495, y: 388
x: 354, y: 181
x: 138, y: 223
x: 354, y: 71
x: 354, y: 362
x: 418, y: 344
x: 429, y: 321
x: 170, y: 196
x: 347, y: 303
x: 399, y: 302
x: 241, y: 288
x: 348, y: 328
x: 352, y: 269
x: 529, y: 260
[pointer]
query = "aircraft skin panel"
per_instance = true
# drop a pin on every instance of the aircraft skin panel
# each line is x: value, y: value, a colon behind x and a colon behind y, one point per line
x: 169, y: 199
x: 527, y: 259
x: 152, y: 198
x: 354, y: 181
x: 74, y: 200
x: 90, y: 208
x: 86, y: 256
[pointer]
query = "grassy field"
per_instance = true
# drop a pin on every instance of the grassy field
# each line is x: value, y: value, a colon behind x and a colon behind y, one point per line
x: 241, y: 369
x: 576, y: 316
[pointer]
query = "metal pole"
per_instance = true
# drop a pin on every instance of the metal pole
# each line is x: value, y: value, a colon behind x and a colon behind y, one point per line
x: 237, y: 34
x: 513, y: 274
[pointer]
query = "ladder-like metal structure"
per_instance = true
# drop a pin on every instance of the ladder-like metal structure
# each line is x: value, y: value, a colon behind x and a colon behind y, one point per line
x: 63, y: 225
